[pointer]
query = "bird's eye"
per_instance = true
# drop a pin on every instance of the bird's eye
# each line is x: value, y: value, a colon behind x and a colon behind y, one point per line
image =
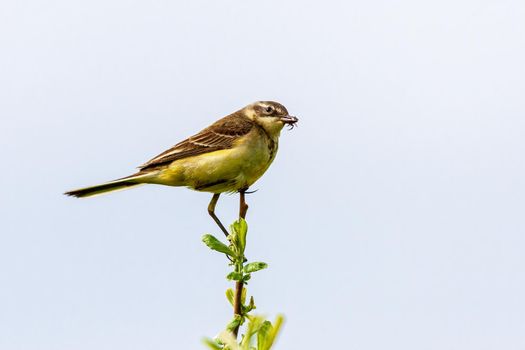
x: 269, y: 109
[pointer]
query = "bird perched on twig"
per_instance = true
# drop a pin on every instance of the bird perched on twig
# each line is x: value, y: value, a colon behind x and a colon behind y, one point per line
x: 228, y: 156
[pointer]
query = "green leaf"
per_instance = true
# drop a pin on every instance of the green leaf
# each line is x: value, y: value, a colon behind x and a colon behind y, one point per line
x: 255, y: 266
x: 243, y: 296
x: 274, y: 331
x: 212, y: 344
x: 249, y: 307
x: 234, y: 323
x: 262, y: 336
x: 239, y: 230
x: 229, y: 295
x: 234, y: 276
x: 246, y: 278
x: 214, y: 244
x: 251, y: 331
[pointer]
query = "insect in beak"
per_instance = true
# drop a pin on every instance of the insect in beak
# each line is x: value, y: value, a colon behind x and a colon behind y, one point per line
x: 289, y: 120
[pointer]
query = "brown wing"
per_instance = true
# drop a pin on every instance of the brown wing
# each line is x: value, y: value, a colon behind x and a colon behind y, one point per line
x: 220, y: 135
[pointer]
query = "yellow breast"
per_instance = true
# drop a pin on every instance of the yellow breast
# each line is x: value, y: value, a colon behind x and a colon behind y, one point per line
x: 225, y: 170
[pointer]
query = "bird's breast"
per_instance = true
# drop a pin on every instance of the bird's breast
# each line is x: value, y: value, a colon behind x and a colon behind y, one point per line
x: 258, y: 151
x: 225, y: 170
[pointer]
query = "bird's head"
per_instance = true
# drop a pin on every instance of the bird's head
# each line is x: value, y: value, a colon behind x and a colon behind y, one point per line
x: 271, y: 116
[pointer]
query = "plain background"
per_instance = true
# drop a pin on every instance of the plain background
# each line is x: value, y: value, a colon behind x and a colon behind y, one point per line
x: 392, y: 218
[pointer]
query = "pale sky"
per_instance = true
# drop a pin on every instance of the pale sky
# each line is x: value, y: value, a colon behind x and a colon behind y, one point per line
x: 392, y: 218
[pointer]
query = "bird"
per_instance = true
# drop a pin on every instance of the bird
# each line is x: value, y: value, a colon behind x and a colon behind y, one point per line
x: 226, y: 157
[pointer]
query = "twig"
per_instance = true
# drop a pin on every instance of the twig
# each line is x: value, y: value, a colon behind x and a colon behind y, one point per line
x: 243, y: 208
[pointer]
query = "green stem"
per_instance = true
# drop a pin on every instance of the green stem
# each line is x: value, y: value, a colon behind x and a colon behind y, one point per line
x: 237, y: 301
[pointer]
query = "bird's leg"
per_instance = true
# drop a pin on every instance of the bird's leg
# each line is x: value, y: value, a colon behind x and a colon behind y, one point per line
x: 243, y: 207
x: 211, y: 211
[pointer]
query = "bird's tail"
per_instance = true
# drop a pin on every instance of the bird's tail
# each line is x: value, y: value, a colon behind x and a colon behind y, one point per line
x: 120, y: 184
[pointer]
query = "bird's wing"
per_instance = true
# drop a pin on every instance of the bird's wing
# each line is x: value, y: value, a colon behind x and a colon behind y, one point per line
x: 220, y: 135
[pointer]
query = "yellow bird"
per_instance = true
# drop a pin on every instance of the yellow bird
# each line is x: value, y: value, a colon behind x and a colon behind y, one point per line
x: 228, y: 156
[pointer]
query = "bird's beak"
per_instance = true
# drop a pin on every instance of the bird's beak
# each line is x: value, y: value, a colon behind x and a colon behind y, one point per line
x: 290, y: 120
